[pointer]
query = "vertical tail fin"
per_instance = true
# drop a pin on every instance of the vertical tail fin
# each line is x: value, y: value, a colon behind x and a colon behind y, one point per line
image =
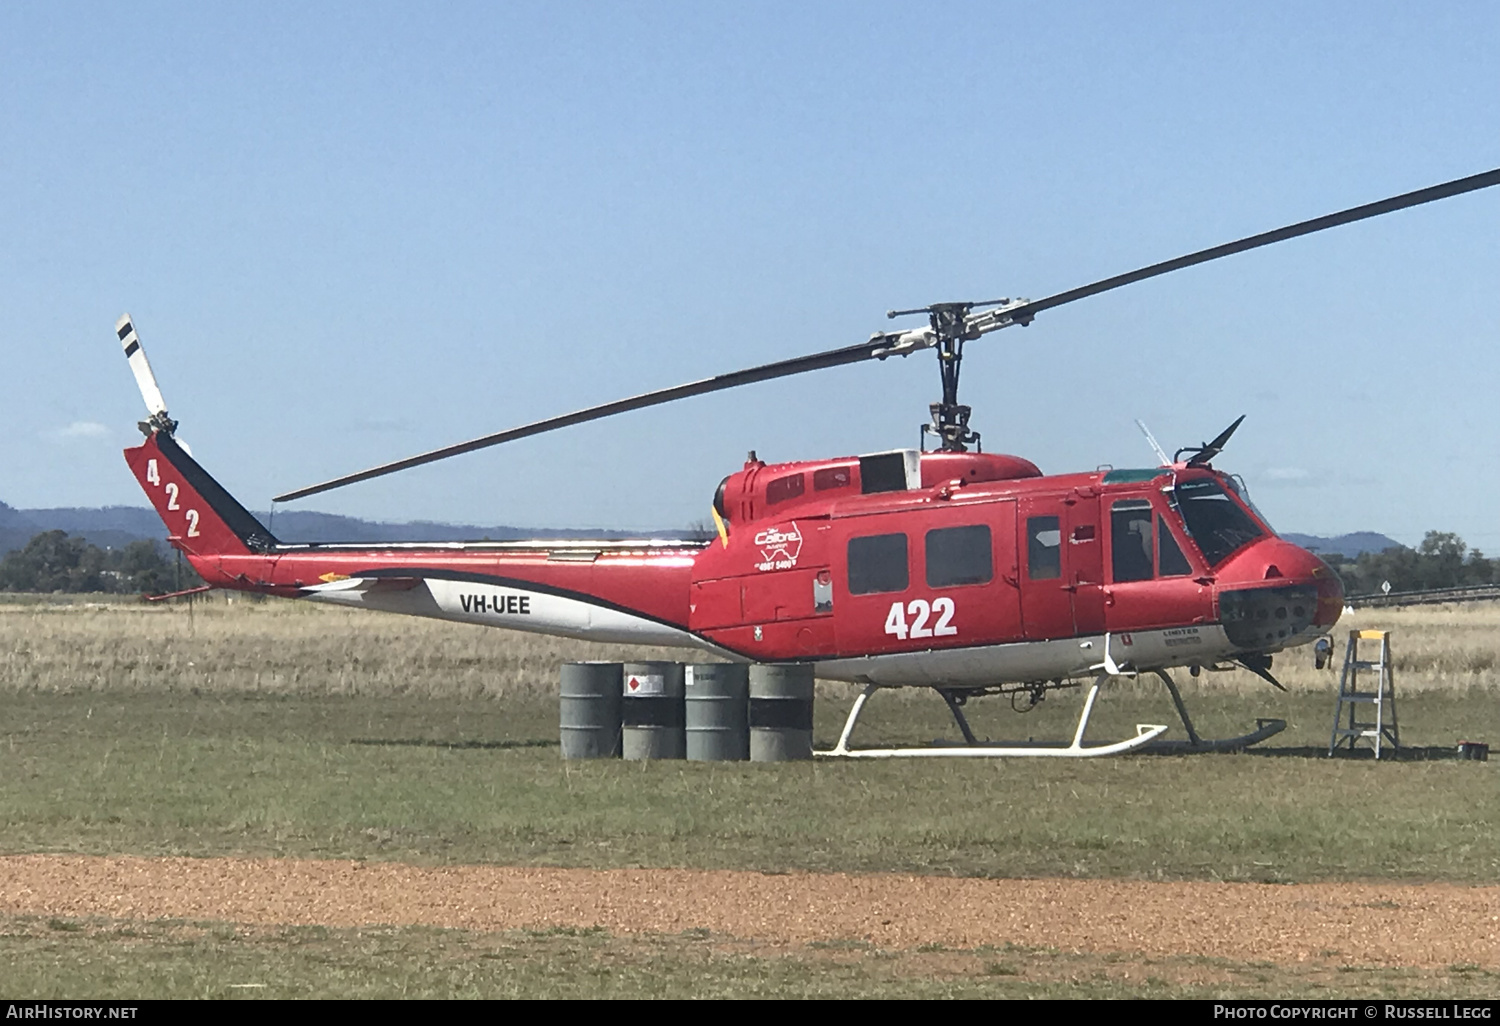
x: 201, y: 517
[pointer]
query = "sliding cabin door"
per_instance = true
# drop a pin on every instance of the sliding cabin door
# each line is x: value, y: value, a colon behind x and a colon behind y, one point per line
x: 932, y: 578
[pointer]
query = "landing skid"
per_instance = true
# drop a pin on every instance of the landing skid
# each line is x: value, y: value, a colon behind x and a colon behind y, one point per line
x: 1264, y: 728
x: 1076, y: 749
x: 1146, y: 739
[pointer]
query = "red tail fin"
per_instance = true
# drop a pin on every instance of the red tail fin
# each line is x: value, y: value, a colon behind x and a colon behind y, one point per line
x: 201, y: 517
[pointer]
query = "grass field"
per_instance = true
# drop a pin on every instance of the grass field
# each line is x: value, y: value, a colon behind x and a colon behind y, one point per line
x: 283, y: 729
x: 170, y: 959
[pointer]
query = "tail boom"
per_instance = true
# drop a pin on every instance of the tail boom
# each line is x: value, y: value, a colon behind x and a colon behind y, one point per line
x: 633, y: 592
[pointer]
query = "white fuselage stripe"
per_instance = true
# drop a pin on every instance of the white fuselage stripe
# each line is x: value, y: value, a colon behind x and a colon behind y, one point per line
x: 978, y: 666
x: 517, y: 609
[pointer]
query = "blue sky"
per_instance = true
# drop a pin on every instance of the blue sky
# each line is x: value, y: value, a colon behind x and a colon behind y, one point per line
x: 353, y: 232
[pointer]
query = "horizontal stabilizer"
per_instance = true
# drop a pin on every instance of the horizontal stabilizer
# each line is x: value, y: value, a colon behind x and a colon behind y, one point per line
x: 365, y: 584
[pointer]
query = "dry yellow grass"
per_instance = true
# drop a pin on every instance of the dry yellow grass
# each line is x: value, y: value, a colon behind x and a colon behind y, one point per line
x: 236, y: 644
x: 1446, y: 648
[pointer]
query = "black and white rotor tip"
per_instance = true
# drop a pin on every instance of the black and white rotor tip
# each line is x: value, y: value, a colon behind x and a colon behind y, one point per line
x: 156, y: 406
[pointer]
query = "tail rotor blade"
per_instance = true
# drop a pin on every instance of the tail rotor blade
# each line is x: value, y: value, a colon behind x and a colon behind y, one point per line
x: 144, y: 379
x: 156, y: 406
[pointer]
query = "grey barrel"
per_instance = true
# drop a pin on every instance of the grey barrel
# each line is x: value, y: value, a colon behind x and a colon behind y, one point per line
x: 717, y: 712
x: 589, y: 710
x: 781, y: 712
x: 651, y: 711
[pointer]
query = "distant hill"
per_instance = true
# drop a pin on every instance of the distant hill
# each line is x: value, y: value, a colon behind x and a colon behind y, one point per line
x: 117, y: 526
x: 1347, y: 545
x: 307, y: 526
x: 16, y: 528
x: 112, y: 527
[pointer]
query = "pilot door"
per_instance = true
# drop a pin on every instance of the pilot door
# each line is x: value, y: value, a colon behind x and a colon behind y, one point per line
x: 1062, y: 565
x: 1153, y: 579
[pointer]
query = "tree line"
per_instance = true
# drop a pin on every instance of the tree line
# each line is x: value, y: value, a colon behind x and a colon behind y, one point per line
x: 1442, y: 560
x: 55, y: 561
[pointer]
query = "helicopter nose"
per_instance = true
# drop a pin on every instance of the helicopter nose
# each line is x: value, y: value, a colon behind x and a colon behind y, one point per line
x: 1273, y: 595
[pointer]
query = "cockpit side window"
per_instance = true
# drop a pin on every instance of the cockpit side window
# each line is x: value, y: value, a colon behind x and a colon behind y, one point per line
x: 1215, y: 521
x: 1130, y: 539
x: 1170, y: 562
x: 1043, y: 549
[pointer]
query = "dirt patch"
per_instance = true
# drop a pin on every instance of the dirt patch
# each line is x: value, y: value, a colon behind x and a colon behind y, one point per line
x: 1427, y: 926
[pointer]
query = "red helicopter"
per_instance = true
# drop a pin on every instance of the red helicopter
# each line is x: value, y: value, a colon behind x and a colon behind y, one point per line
x: 968, y: 572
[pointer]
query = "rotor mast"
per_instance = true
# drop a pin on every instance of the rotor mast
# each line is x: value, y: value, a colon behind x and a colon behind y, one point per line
x: 953, y: 324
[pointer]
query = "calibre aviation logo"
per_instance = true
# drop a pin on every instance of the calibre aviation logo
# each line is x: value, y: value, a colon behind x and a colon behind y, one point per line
x: 779, y: 547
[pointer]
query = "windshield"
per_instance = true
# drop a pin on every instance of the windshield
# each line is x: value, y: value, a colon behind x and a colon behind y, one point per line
x: 1243, y: 491
x: 1216, y: 522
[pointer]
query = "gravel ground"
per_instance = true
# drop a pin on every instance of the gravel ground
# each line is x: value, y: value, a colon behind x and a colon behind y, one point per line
x: 1417, y: 925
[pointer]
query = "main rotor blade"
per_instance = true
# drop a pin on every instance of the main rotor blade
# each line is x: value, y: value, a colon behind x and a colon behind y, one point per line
x: 1386, y: 206
x: 876, y: 347
x: 880, y: 346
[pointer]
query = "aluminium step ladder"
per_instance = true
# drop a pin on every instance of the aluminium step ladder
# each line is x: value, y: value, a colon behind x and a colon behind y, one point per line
x: 1381, y: 701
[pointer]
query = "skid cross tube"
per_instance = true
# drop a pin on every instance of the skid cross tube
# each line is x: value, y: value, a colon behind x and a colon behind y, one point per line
x: 1192, y: 734
x: 956, y: 707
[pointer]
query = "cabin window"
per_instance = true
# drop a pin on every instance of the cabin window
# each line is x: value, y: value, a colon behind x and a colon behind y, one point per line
x: 1214, y: 520
x: 784, y: 488
x: 1130, y: 535
x: 1043, y: 548
x: 959, y: 555
x: 878, y: 563
x: 830, y: 477
x: 1170, y: 562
